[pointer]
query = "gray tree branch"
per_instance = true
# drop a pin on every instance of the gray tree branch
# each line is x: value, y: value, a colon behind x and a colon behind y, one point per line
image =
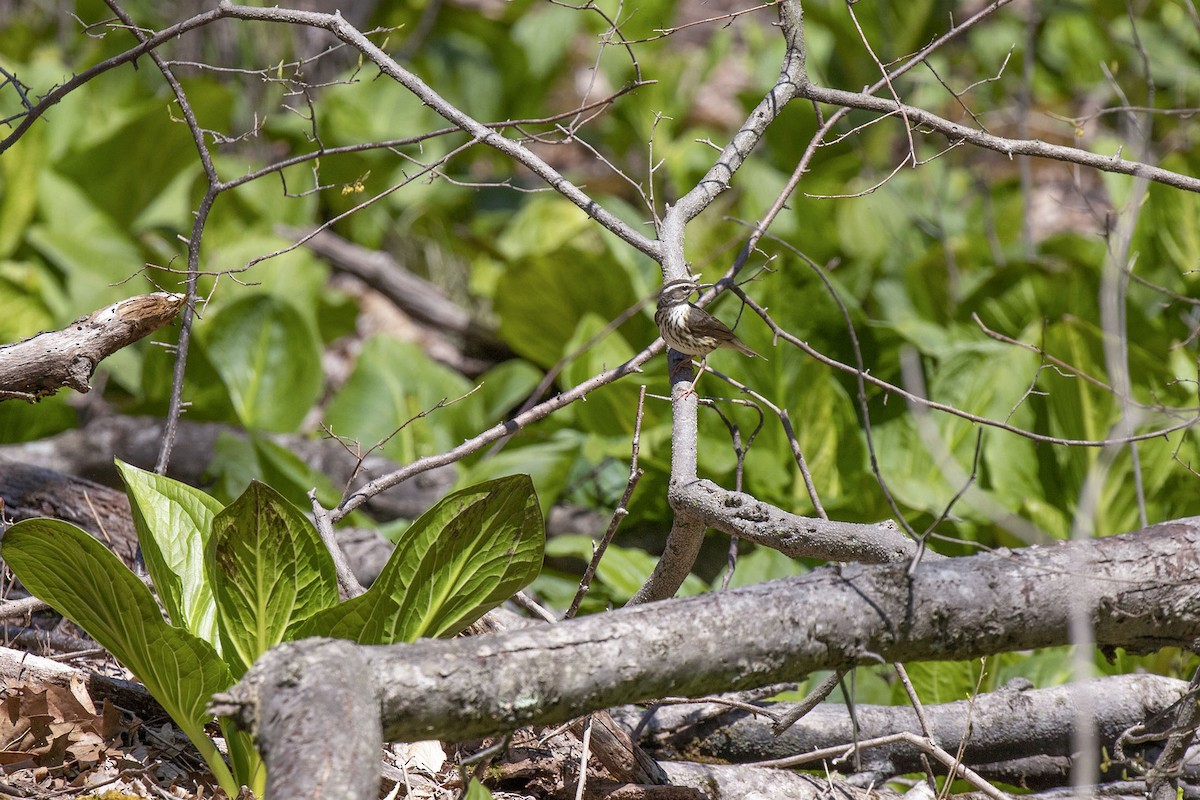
x: 687, y: 531
x: 1141, y: 590
x: 40, y: 366
x: 957, y: 133
x: 799, y: 537
x: 1014, y: 722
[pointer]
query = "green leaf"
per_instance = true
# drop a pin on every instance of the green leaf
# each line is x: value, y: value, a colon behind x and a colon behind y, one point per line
x: 504, y: 387
x: 391, y: 384
x: 162, y: 146
x: 762, y: 564
x: 81, y: 579
x: 83, y: 241
x: 545, y: 36
x: 548, y: 463
x: 269, y: 572
x: 941, y: 681
x: 466, y: 555
x: 609, y: 410
x: 542, y: 295
x: 477, y: 791
x: 26, y: 422
x: 173, y: 523
x: 237, y: 460
x: 268, y: 359
x: 19, y: 199
x: 23, y: 309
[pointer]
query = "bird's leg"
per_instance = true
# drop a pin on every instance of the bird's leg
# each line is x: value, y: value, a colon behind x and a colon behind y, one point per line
x: 699, y: 372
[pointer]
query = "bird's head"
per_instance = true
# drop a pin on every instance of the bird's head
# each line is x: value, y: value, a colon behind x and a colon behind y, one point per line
x: 676, y: 293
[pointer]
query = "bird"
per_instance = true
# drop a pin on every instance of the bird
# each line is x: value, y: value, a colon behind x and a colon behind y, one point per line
x: 690, y: 329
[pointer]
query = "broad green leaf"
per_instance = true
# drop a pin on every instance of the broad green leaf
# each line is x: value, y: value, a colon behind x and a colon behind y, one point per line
x: 541, y: 297
x: 18, y: 189
x: 885, y: 213
x: 163, y: 147
x: 243, y: 757
x: 464, y: 556
x: 173, y: 523
x: 504, y: 387
x: 545, y: 35
x: 268, y: 359
x: 548, y: 463
x: 81, y: 579
x: 392, y: 384
x: 23, y: 310
x: 295, y: 277
x: 269, y: 572
x: 26, y: 422
x: 762, y: 564
x: 233, y: 467
x: 238, y: 460
x: 203, y: 391
x: 84, y: 242
x: 172, y: 206
x: 610, y: 410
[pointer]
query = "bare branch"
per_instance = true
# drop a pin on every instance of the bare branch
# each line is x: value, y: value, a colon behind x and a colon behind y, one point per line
x: 40, y: 366
x: 948, y: 609
x: 390, y: 67
x: 1010, y: 147
x: 798, y: 537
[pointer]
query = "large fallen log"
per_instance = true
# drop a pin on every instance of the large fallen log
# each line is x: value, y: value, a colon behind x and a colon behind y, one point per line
x: 1140, y: 591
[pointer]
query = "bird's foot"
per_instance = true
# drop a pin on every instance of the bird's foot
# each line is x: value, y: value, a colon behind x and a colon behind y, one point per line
x: 692, y: 386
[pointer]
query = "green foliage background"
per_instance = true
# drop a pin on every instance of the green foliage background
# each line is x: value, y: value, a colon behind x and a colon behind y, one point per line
x: 109, y: 180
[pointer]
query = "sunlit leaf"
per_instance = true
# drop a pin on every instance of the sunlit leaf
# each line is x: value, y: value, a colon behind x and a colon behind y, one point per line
x: 173, y: 522
x: 268, y: 359
x: 466, y: 555
x: 270, y: 572
x: 85, y: 582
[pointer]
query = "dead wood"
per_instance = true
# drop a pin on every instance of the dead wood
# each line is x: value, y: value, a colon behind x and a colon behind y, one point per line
x: 742, y: 515
x: 1140, y: 591
x: 27, y: 492
x: 40, y: 366
x: 742, y: 782
x: 1015, y: 722
x: 17, y: 665
x: 316, y: 722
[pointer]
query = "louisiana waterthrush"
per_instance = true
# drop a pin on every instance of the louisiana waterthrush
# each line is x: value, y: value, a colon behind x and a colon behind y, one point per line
x: 690, y: 329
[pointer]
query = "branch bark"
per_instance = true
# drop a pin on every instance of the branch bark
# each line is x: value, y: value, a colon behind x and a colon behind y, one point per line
x: 309, y: 749
x: 687, y: 530
x: 799, y: 537
x: 956, y: 133
x: 1013, y: 722
x: 1141, y: 590
x: 40, y: 366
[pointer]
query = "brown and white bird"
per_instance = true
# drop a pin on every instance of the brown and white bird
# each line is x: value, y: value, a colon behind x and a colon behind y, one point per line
x: 690, y: 329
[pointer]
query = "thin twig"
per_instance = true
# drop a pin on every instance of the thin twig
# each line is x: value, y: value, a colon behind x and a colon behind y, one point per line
x: 841, y: 752
x: 345, y: 576
x: 635, y: 475
x: 813, y: 699
x: 585, y: 751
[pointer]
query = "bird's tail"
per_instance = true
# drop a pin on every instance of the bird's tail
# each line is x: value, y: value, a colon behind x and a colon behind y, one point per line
x: 741, y: 348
